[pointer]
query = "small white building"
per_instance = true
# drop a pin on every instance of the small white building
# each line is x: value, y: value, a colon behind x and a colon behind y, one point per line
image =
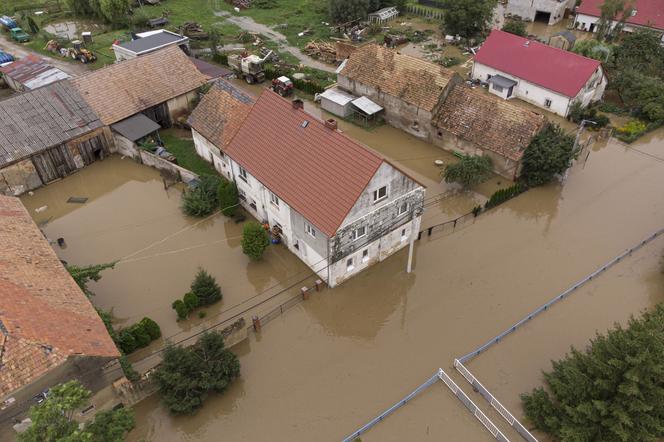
x: 338, y: 205
x: 548, y: 77
x: 545, y: 11
x: 337, y: 102
x: 648, y: 14
x: 384, y: 15
x: 149, y: 41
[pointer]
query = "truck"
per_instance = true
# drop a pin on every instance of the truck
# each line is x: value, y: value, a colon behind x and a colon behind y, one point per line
x: 249, y: 67
x: 283, y: 86
x: 19, y: 35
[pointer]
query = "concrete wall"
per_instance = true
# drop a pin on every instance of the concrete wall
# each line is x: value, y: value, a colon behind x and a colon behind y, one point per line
x: 583, y: 22
x: 19, y: 178
x: 182, y: 105
x: 125, y: 146
x: 526, y: 9
x: 527, y: 91
x: 152, y: 160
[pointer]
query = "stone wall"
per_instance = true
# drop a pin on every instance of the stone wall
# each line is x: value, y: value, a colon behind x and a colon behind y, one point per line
x: 152, y: 160
x: 182, y: 105
x: 19, y: 178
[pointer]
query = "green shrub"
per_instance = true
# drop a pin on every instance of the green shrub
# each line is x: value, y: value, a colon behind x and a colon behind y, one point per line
x: 548, y: 154
x: 141, y: 336
x: 469, y: 171
x: 191, y: 300
x: 516, y: 27
x: 202, y: 314
x: 254, y: 240
x: 502, y: 195
x: 138, y: 335
x: 202, y: 200
x: 228, y: 197
x: 264, y: 4
x: 205, y: 287
x: 631, y: 130
x: 126, y: 341
x: 128, y: 369
x: 151, y: 327
x: 222, y: 59
x: 180, y: 308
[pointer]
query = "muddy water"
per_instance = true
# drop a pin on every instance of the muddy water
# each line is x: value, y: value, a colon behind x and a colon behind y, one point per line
x: 331, y: 363
x: 130, y: 218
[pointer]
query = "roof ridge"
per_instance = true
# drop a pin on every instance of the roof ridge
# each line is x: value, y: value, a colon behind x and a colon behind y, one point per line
x: 547, y: 46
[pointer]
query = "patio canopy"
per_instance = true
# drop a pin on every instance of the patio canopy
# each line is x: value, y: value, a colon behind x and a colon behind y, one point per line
x: 501, y: 81
x: 136, y: 127
x: 367, y: 106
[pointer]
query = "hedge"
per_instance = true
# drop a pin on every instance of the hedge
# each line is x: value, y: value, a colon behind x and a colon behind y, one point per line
x: 138, y: 335
x: 502, y: 195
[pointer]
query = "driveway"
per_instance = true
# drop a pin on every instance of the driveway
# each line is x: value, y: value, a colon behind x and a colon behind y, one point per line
x: 20, y: 51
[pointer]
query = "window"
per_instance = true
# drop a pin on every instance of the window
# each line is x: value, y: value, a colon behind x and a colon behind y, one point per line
x: 349, y: 265
x: 243, y: 174
x: 358, y: 233
x: 403, y: 208
x: 380, y: 194
x: 252, y: 204
x: 274, y: 199
x: 547, y: 102
x: 403, y: 234
x: 310, y: 230
x: 365, y: 255
x: 242, y: 194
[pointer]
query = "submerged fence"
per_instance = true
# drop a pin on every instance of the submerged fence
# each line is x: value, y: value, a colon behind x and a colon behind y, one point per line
x: 440, y: 375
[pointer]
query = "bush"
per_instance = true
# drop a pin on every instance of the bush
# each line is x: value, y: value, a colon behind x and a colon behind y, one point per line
x: 202, y: 200
x: 611, y: 391
x: 228, y: 197
x: 222, y: 59
x: 516, y: 27
x: 469, y: 171
x: 180, y: 308
x: 151, y: 327
x: 254, y: 240
x: 138, y: 335
x: 631, y: 130
x: 264, y: 4
x: 577, y: 114
x: 128, y: 369
x: 502, y: 195
x: 548, y: 154
x: 205, y: 288
x: 191, y: 300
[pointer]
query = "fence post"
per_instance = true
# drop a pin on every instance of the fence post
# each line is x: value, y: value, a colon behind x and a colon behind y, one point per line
x: 319, y: 285
x: 305, y: 292
x: 257, y: 323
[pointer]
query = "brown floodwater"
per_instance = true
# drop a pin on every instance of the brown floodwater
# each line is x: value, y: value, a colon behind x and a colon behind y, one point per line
x: 328, y: 365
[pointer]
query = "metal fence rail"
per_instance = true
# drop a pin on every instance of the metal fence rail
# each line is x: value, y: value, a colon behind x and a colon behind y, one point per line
x: 558, y: 298
x: 495, y: 403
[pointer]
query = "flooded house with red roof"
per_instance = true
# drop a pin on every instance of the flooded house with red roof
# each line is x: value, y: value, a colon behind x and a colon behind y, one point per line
x: 644, y: 14
x: 548, y: 77
x: 335, y: 203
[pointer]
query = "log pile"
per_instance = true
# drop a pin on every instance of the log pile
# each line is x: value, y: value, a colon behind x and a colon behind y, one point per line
x: 322, y: 50
x: 194, y: 31
x: 242, y: 4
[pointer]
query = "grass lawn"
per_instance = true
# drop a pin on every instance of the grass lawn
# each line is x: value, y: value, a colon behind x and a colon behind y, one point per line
x: 184, y: 151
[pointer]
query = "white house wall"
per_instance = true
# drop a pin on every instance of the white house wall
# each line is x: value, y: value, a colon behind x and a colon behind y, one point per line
x: 526, y: 9
x: 583, y: 23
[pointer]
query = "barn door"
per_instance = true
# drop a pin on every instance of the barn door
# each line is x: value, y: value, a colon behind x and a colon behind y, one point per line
x: 93, y: 149
x: 54, y: 163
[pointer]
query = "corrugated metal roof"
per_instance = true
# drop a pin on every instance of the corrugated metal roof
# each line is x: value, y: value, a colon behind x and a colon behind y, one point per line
x: 153, y: 42
x: 37, y: 120
x: 317, y: 171
x: 337, y: 96
x: 33, y: 72
x: 367, y: 106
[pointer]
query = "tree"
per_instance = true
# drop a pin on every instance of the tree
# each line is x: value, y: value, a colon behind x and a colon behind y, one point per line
x: 228, y: 197
x: 343, y: 11
x: 516, y: 27
x: 469, y: 171
x: 254, y: 240
x: 114, y: 11
x: 612, y: 391
x: 469, y: 19
x: 203, y: 199
x: 641, y: 51
x: 549, y: 153
x: 593, y: 49
x: 180, y: 309
x: 187, y: 375
x: 205, y: 288
x: 191, y: 300
x: 111, y: 425
x: 83, y: 275
x: 53, y: 420
x: 609, y: 11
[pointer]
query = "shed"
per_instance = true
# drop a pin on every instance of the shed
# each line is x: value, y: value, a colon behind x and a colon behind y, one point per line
x: 383, y: 15
x: 563, y: 40
x: 337, y: 102
x: 149, y: 41
x: 30, y: 73
x: 366, y: 109
x: 501, y: 86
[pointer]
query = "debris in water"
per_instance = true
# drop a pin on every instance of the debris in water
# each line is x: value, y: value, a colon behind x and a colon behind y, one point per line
x: 77, y: 199
x: 41, y: 209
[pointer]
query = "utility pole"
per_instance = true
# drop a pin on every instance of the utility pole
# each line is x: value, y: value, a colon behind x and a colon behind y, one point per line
x: 582, y: 126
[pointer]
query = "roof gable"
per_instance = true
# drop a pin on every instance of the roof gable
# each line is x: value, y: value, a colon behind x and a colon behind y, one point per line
x: 220, y: 113
x: 44, y: 317
x: 488, y: 121
x: 123, y: 89
x: 317, y: 171
x: 34, y: 121
x: 415, y: 81
x: 552, y: 68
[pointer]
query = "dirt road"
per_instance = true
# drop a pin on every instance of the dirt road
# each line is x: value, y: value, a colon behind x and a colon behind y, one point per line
x: 19, y: 51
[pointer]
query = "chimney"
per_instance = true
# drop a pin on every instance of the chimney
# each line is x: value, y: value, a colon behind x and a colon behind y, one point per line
x: 298, y: 104
x: 331, y: 124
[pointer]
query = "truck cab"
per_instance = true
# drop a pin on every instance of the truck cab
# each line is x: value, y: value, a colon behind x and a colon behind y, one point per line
x: 19, y: 35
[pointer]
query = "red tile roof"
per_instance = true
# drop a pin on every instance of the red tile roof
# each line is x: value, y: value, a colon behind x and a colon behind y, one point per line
x: 649, y: 13
x: 552, y: 68
x: 44, y: 317
x: 317, y: 171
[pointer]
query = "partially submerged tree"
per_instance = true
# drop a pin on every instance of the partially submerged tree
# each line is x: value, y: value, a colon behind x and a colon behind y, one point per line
x: 516, y: 27
x: 228, y: 197
x: 205, y: 288
x: 84, y: 274
x: 611, y: 11
x: 469, y: 171
x: 470, y: 19
x: 203, y: 199
x: 550, y: 153
x: 612, y: 391
x: 53, y: 419
x: 254, y: 240
x: 188, y: 374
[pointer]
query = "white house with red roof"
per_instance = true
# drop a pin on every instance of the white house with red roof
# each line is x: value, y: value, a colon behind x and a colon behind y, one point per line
x: 543, y: 11
x: 647, y: 14
x: 548, y: 77
x: 338, y: 205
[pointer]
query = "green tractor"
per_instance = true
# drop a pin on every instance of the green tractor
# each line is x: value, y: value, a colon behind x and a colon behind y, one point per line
x: 19, y: 35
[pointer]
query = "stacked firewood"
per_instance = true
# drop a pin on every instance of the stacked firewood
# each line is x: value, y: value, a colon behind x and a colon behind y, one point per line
x: 321, y: 50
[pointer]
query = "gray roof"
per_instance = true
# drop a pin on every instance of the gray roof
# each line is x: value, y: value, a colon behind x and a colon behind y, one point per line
x: 135, y: 127
x: 367, y: 106
x: 37, y: 120
x: 501, y: 81
x: 152, y: 42
x: 568, y: 35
